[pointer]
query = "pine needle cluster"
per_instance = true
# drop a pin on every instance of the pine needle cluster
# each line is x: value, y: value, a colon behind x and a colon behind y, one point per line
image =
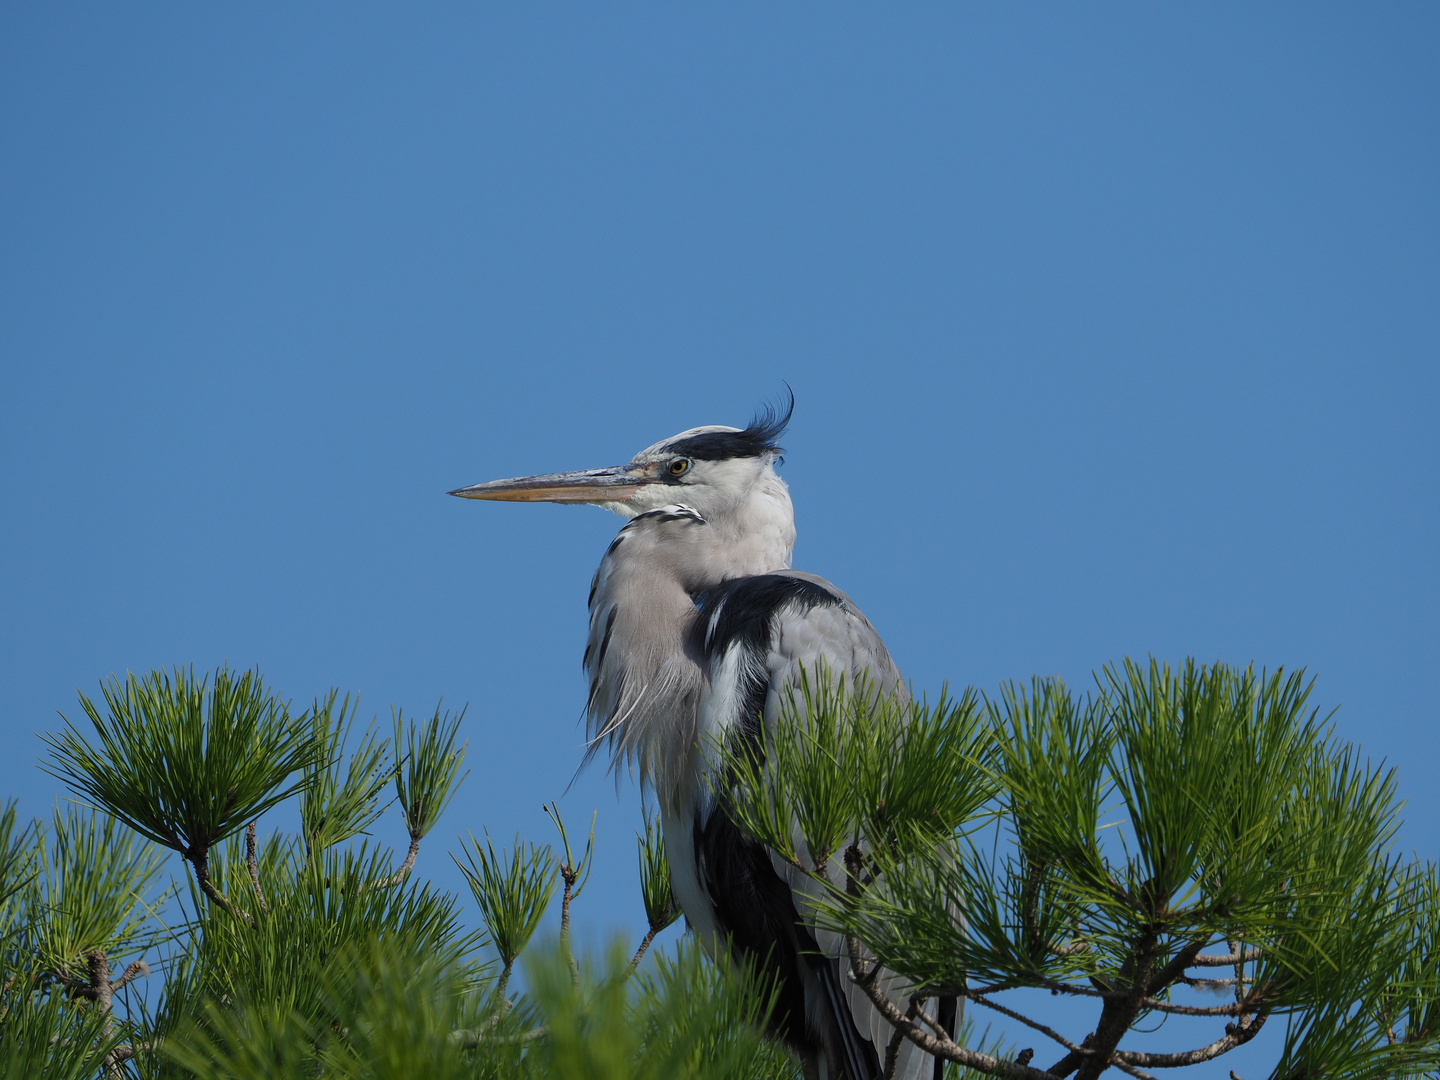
x: 1171, y: 836
x: 314, y: 954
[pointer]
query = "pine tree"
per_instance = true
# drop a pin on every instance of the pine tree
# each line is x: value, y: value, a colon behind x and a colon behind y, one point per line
x: 1170, y: 836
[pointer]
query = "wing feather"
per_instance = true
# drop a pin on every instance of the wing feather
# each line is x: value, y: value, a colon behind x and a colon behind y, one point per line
x: 758, y: 635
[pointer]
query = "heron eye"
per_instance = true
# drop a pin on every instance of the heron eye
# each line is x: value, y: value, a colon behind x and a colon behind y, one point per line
x: 680, y: 466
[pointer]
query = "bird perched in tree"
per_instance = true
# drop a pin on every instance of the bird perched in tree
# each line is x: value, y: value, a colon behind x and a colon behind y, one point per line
x: 698, y: 628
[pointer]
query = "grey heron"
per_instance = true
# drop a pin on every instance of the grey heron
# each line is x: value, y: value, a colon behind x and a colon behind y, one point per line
x: 698, y: 627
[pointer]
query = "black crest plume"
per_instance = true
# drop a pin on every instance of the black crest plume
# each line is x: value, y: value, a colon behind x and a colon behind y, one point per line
x: 760, y: 437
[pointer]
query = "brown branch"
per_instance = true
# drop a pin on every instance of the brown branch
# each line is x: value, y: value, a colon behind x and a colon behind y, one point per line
x: 1238, y: 1009
x: 101, y: 989
x: 254, y: 867
x: 504, y: 980
x: 892, y: 1048
x: 200, y: 859
x: 1041, y: 982
x: 135, y: 969
x: 1227, y: 961
x: 409, y: 863
x: 1213, y: 984
x: 469, y: 1038
x: 570, y: 877
x: 1239, y: 951
x: 1024, y: 1057
x: 1235, y: 1035
x: 1175, y: 969
x: 1035, y: 1025
x: 937, y: 1047
x: 102, y: 992
x: 644, y: 944
x: 1071, y: 1061
x: 1118, y: 1014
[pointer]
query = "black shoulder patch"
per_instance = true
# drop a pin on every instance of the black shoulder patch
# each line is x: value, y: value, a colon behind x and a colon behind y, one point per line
x: 742, y: 609
x: 759, y: 438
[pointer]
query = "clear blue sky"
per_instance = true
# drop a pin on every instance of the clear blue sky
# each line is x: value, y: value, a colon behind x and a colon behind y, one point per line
x: 1113, y: 331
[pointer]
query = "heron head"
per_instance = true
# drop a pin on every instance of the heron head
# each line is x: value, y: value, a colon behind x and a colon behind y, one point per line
x: 710, y: 468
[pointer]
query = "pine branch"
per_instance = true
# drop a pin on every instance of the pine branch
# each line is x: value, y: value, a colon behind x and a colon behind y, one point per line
x: 1238, y: 1009
x: 253, y: 866
x: 409, y: 863
x: 980, y: 999
x: 892, y: 1048
x: 937, y: 1046
x: 1235, y: 957
x: 574, y: 876
x: 199, y: 858
x: 644, y: 945
x: 1235, y: 1035
x: 1071, y: 1061
x: 1118, y: 1014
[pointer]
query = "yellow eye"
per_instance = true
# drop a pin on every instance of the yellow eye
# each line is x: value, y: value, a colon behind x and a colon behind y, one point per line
x: 680, y: 466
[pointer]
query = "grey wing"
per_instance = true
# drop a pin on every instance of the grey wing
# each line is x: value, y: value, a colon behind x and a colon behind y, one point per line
x: 839, y: 636
x: 761, y: 636
x: 834, y: 634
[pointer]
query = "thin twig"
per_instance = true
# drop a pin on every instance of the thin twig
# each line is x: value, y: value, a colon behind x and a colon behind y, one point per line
x: 1071, y: 1061
x: 409, y: 863
x: 1041, y: 982
x: 504, y: 980
x: 1212, y: 984
x: 892, y: 1048
x: 135, y: 969
x: 200, y: 859
x: 253, y: 864
x: 572, y: 873
x: 644, y: 944
x: 102, y: 992
x: 1177, y: 966
x: 469, y: 1038
x: 1235, y: 1035
x: 943, y: 1047
x: 1122, y: 1066
x: 569, y: 877
x: 1226, y: 961
x: 937, y: 1047
x: 1074, y: 1048
x: 1156, y: 1005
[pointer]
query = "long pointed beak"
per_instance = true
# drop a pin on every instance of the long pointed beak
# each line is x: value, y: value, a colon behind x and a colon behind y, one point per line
x: 585, y: 486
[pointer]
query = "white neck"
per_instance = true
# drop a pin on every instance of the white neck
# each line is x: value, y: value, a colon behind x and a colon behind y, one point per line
x: 644, y: 684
